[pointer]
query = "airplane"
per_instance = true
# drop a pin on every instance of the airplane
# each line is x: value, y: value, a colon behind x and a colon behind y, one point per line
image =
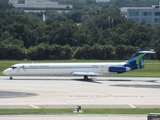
x: 78, y: 69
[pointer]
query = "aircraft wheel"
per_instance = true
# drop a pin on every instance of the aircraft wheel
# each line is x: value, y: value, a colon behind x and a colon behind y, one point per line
x: 85, y: 77
x: 11, y: 78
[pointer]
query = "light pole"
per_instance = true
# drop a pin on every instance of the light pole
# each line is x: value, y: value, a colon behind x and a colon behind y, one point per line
x: 112, y: 22
x: 109, y: 21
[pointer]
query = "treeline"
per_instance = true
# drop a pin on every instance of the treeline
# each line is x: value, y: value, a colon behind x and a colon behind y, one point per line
x: 50, y: 52
x: 101, y: 34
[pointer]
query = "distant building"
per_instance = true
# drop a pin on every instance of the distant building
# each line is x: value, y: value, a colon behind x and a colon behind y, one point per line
x: 102, y: 0
x: 150, y: 15
x: 40, y: 5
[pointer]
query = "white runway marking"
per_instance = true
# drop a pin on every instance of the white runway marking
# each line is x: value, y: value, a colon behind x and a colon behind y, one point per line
x: 34, y: 106
x: 132, y: 106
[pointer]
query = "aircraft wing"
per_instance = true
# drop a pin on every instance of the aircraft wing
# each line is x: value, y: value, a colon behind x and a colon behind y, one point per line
x: 84, y: 73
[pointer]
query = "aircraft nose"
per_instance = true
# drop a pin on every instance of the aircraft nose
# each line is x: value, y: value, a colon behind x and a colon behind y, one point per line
x: 6, y: 72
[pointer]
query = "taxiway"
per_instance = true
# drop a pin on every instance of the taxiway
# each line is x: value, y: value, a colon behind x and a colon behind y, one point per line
x: 68, y: 92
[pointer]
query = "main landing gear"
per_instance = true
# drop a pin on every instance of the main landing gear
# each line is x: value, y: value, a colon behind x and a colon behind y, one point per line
x: 11, y: 78
x: 86, y: 77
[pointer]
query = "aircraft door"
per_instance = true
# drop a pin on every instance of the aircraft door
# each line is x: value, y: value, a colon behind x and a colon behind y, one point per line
x: 102, y: 69
x: 17, y: 71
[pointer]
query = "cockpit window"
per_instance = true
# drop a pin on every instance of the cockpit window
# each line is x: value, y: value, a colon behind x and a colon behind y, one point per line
x: 13, y: 67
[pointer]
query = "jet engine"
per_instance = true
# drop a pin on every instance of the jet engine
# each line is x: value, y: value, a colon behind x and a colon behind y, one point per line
x: 118, y: 69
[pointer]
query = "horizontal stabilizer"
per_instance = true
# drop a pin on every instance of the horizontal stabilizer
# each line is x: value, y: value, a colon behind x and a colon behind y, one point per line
x: 84, y: 73
x: 145, y: 51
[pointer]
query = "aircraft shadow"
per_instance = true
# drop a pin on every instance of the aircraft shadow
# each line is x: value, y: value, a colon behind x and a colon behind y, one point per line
x: 89, y: 80
x: 153, y: 81
x: 80, y: 80
x: 137, y: 86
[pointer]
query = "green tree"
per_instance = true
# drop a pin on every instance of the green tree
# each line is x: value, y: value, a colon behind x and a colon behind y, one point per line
x: 11, y: 52
x: 83, y: 52
x: 121, y: 52
x: 98, y: 52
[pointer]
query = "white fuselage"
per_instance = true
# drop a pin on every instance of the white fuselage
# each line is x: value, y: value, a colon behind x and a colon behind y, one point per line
x: 51, y: 69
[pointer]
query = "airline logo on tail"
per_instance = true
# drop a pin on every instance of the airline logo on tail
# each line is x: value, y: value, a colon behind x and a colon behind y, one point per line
x: 136, y: 61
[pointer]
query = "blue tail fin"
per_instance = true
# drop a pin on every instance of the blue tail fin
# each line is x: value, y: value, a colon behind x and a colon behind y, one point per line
x: 136, y: 61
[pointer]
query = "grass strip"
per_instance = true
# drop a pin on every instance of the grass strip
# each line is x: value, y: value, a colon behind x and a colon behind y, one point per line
x: 85, y: 111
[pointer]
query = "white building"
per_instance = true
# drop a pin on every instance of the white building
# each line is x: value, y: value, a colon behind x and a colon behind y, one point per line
x: 40, y: 5
x: 102, y: 0
x: 149, y: 15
